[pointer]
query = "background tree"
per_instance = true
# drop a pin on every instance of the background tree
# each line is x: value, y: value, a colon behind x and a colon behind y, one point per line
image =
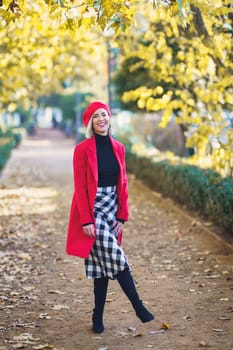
x: 38, y: 53
x: 188, y: 75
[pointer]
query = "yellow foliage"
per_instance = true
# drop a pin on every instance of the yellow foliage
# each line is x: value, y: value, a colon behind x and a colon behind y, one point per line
x: 42, y: 49
x: 158, y: 90
x: 191, y: 77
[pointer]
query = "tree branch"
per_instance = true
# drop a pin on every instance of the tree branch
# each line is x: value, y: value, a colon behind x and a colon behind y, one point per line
x: 199, y: 22
x: 203, y: 32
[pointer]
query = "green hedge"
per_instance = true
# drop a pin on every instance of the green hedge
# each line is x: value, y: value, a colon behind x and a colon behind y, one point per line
x: 17, y: 136
x: 6, y: 145
x: 201, y: 190
x: 9, y: 139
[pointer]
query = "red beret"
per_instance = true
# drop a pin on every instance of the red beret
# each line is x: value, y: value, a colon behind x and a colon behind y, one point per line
x: 91, y: 110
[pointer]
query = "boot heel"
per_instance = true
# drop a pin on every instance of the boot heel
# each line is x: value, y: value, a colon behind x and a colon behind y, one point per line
x: 144, y: 314
x: 97, y: 322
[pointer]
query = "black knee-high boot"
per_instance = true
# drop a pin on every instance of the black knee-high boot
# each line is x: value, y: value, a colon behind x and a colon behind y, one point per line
x: 127, y: 284
x: 100, y: 293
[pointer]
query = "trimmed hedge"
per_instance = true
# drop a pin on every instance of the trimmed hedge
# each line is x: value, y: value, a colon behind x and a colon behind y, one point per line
x: 201, y: 190
x: 6, y: 145
x: 8, y: 140
x: 17, y: 136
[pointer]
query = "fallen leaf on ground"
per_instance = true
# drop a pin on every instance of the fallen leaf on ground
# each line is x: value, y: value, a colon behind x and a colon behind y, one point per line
x: 224, y: 318
x: 139, y: 334
x: 59, y: 307
x: 43, y: 346
x: 187, y: 317
x: 203, y: 344
x: 25, y: 325
x: 165, y: 326
x: 132, y: 329
x: 108, y: 300
x: 124, y: 311
x: 44, y: 317
x: 28, y: 288
x: 56, y: 292
x: 157, y: 332
x: 19, y: 346
x: 25, y: 337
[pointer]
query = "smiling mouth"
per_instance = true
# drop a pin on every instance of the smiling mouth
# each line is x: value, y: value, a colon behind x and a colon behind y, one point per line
x: 102, y: 124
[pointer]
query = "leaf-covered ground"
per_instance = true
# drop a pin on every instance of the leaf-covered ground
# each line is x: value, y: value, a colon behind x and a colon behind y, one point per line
x: 183, y: 272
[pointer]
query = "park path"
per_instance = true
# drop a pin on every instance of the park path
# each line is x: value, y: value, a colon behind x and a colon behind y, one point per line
x: 183, y: 271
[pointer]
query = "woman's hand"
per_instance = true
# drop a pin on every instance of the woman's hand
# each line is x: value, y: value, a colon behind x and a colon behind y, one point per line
x: 89, y: 230
x: 117, y: 228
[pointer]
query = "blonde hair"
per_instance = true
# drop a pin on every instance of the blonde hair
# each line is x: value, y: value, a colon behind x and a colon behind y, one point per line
x: 89, y: 129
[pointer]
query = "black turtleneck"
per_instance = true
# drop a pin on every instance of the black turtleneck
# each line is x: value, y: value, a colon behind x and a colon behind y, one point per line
x: 108, y: 167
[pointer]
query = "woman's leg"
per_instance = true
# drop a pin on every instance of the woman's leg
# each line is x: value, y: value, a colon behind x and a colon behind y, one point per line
x: 100, y: 293
x: 127, y: 284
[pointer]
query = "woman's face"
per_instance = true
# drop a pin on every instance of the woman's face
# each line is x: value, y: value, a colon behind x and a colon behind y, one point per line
x: 101, y: 122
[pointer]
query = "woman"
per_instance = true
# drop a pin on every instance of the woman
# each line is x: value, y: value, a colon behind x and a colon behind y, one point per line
x: 98, y: 211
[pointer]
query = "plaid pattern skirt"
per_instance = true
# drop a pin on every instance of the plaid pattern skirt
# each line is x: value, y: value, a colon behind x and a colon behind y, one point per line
x: 106, y: 258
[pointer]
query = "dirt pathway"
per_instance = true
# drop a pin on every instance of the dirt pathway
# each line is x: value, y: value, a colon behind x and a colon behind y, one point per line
x: 183, y: 273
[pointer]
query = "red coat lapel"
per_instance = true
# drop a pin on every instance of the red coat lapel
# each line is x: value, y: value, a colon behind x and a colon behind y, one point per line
x: 92, y: 157
x: 118, y: 154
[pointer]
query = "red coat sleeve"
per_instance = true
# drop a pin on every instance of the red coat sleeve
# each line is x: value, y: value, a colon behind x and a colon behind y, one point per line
x: 80, y: 185
x: 123, y: 211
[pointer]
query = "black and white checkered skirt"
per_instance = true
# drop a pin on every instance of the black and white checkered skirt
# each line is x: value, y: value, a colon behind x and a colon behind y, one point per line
x: 106, y: 258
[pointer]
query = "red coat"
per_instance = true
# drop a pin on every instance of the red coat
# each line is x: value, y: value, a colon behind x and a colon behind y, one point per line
x: 85, y: 187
